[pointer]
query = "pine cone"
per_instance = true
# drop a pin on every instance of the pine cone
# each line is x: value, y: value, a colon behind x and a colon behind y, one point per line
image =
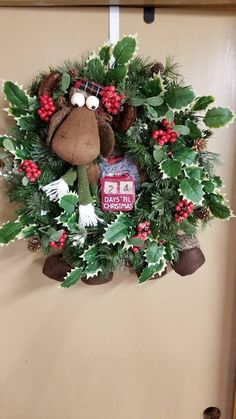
x: 200, y: 144
x: 202, y: 213
x: 34, y: 244
x: 73, y: 73
x: 157, y: 68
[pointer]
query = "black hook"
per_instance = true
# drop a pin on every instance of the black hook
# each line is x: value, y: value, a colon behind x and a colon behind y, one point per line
x: 149, y: 14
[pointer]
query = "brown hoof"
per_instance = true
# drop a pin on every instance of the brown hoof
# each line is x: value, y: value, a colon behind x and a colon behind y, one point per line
x: 189, y: 261
x: 97, y: 280
x: 56, y: 268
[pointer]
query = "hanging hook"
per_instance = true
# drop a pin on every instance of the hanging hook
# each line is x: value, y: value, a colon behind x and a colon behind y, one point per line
x: 149, y: 14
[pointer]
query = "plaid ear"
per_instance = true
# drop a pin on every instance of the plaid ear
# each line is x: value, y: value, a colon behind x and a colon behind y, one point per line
x: 89, y: 87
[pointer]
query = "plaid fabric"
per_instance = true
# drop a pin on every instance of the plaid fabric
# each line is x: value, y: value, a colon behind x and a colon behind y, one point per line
x: 88, y: 87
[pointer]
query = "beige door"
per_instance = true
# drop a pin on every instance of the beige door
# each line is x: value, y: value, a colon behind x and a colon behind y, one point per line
x: 163, y: 350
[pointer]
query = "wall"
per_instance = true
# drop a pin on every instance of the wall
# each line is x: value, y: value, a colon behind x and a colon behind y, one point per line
x: 121, y: 351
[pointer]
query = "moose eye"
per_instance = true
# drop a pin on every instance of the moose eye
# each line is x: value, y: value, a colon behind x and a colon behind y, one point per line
x: 92, y: 103
x: 77, y: 99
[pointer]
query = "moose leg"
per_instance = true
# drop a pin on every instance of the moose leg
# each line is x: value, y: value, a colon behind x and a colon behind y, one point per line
x: 87, y: 216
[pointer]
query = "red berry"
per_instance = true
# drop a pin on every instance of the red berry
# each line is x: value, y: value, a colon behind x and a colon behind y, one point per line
x: 165, y: 122
x: 135, y: 249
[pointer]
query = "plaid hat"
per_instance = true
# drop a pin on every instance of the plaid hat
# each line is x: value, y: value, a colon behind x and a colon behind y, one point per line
x: 88, y: 87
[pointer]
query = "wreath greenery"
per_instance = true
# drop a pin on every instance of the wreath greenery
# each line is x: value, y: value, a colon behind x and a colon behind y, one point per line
x: 167, y: 139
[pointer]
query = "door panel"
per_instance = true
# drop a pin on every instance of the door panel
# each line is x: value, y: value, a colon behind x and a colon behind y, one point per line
x: 122, y: 351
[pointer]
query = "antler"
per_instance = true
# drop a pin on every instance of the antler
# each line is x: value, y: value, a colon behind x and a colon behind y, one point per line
x: 123, y: 121
x: 49, y: 83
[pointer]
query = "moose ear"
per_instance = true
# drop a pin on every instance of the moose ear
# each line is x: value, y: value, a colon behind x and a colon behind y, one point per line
x: 107, y: 138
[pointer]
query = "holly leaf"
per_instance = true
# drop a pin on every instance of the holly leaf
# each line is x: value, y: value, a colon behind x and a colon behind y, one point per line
x: 91, y: 258
x: 191, y: 189
x: 152, y: 270
x: 16, y: 96
x: 55, y: 235
x: 169, y: 115
x: 124, y: 50
x: 72, y: 277
x: 137, y: 101
x: 153, y: 252
x: 218, y: 117
x: 202, y: 103
x: 68, y: 202
x: 218, y: 209
x: 151, y: 113
x: 27, y: 123
x: 209, y: 186
x: 117, y: 74
x: 171, y: 167
x: 65, y: 81
x: 185, y: 155
x: 94, y: 69
x: 179, y: 97
x: 195, y: 132
x: 3, y: 138
x: 181, y: 129
x: 9, y: 145
x: 153, y: 87
x: 9, y: 231
x: 117, y: 231
x: 25, y: 181
x: 218, y: 181
x: 135, y: 241
x: 154, y: 101
x: 159, y: 153
x: 194, y: 172
x: 105, y: 53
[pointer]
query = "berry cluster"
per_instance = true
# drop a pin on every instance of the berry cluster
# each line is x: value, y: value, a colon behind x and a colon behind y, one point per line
x: 31, y: 170
x: 47, y: 108
x: 183, y: 210
x: 143, y: 232
x: 166, y: 134
x: 111, y: 99
x: 61, y: 242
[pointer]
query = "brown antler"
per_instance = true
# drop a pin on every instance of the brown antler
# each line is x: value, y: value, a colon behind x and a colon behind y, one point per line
x: 49, y: 83
x: 123, y: 121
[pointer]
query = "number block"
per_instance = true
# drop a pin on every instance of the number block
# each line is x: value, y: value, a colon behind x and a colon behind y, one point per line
x: 117, y: 193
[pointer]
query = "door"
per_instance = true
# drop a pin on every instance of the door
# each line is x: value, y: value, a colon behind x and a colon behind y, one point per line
x: 122, y: 351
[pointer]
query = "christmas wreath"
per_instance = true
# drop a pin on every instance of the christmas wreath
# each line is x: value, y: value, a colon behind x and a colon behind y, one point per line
x: 108, y: 161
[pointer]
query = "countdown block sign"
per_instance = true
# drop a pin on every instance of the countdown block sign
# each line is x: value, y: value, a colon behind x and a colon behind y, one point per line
x: 117, y: 193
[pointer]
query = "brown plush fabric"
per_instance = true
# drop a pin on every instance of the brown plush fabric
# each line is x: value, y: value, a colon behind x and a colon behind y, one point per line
x: 212, y: 413
x: 107, y: 138
x: 77, y: 138
x: 189, y: 261
x: 56, y: 121
x: 93, y: 173
x: 123, y: 120
x: 98, y: 280
x: 56, y: 268
x: 49, y: 83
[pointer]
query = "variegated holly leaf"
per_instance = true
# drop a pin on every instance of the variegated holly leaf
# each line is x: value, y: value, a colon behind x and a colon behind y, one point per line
x: 153, y: 252
x: 218, y: 209
x: 125, y: 49
x: 17, y: 97
x: 91, y: 258
x: 185, y: 155
x: 117, y: 231
x: 159, y: 153
x: 68, y: 202
x: 65, y: 81
x: 105, y: 53
x: 181, y: 129
x: 151, y: 271
x: 94, y: 69
x: 191, y: 189
x: 171, y: 167
x: 209, y: 186
x: 218, y: 117
x: 194, y: 172
x: 10, y: 231
x: 153, y: 87
x: 72, y: 277
x: 195, y: 132
x: 202, y: 103
x: 179, y: 97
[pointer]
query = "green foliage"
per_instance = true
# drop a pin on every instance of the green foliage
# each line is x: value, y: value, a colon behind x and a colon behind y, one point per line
x: 179, y: 97
x: 118, y: 230
x: 218, y: 117
x: 153, y: 252
x: 94, y: 69
x: 9, y: 231
x: 202, y: 103
x: 191, y: 189
x: 218, y: 209
x: 171, y: 167
x: 151, y: 271
x: 69, y: 202
x: 16, y: 96
x: 124, y: 50
x: 72, y: 277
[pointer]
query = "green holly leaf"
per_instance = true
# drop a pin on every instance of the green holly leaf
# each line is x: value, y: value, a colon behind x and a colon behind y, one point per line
x: 137, y: 101
x: 154, y: 100
x: 55, y: 235
x: 208, y: 186
x: 159, y: 153
x: 94, y: 69
x: 124, y: 50
x: 191, y: 189
x: 16, y: 96
x: 27, y: 123
x: 105, y: 53
x: 218, y: 209
x: 202, y: 103
x: 117, y: 231
x: 195, y: 132
x: 153, y: 87
x: 218, y: 181
x: 91, y: 258
x: 181, y: 129
x: 9, y: 145
x: 151, y: 113
x: 194, y: 172
x: 218, y: 117
x: 179, y: 97
x: 68, y: 202
x: 185, y: 155
x: 135, y: 241
x: 171, y: 167
x: 25, y: 181
x: 117, y: 74
x: 3, y: 138
x: 152, y: 270
x: 65, y: 81
x: 153, y: 252
x: 10, y: 231
x: 169, y: 115
x: 72, y: 277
